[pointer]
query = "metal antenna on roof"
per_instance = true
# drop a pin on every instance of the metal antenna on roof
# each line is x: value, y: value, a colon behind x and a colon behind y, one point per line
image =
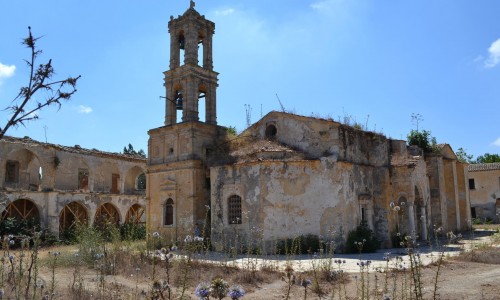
x: 45, y: 128
x: 248, y: 111
x: 281, y: 104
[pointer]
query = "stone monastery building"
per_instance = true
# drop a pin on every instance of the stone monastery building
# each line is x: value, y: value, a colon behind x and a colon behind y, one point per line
x: 59, y: 187
x: 286, y: 175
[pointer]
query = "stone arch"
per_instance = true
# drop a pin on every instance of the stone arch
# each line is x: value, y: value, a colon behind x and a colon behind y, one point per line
x: 72, y: 215
x: 169, y: 212
x: 23, y: 170
x: 22, y: 210
x: 136, y: 214
x: 105, y: 214
x: 131, y: 185
x: 271, y: 131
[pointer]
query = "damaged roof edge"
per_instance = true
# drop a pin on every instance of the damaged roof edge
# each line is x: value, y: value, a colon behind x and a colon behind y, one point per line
x: 75, y: 149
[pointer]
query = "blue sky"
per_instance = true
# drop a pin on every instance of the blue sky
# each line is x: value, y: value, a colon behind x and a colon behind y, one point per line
x: 374, y: 61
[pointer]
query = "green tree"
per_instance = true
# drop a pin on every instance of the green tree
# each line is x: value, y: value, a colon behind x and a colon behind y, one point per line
x: 130, y: 150
x: 423, y: 139
x: 232, y: 130
x: 24, y: 107
x: 488, y: 158
x: 464, y: 156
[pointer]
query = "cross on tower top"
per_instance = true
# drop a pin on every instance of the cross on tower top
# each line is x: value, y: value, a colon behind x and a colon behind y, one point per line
x: 191, y: 4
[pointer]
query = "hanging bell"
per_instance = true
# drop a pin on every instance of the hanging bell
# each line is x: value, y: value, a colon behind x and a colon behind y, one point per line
x: 178, y: 104
x: 178, y: 100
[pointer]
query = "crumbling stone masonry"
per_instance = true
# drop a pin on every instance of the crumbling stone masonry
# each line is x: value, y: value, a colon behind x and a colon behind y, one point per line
x: 286, y: 175
x: 61, y: 186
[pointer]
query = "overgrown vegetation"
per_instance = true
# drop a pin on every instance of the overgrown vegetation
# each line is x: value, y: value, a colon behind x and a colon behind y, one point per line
x: 424, y: 140
x: 131, y: 151
x: 362, y: 240
x: 160, y: 268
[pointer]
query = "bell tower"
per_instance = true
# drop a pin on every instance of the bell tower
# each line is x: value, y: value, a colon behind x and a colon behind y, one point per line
x: 190, y: 78
x: 179, y: 153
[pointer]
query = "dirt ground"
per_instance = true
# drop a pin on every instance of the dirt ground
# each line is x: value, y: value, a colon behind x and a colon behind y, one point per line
x: 458, y: 279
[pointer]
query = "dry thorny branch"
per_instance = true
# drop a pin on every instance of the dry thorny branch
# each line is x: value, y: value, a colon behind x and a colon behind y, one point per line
x: 24, y: 106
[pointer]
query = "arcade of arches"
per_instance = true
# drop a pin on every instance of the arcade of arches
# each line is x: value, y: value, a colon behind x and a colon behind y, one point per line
x: 58, y: 187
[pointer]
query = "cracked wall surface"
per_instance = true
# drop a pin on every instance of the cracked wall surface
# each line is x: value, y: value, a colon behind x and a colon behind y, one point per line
x: 50, y: 177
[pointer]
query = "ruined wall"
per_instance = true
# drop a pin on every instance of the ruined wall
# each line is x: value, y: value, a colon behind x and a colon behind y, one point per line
x: 183, y: 141
x: 320, y: 138
x: 435, y: 169
x: 177, y: 170
x: 288, y: 199
x: 451, y: 196
x: 184, y: 183
x: 463, y: 196
x: 487, y: 190
x: 53, y: 180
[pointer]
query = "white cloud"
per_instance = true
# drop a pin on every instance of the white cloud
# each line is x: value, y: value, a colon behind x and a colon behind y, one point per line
x: 6, y: 71
x: 224, y: 12
x: 82, y: 109
x: 494, y: 55
x: 496, y: 142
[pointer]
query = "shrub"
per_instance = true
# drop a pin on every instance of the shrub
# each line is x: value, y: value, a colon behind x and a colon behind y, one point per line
x: 362, y: 239
x: 303, y: 244
x: 132, y: 232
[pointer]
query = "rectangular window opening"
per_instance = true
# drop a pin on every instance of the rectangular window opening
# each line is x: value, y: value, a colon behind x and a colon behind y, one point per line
x: 472, y: 184
x: 114, y: 183
x: 83, y: 179
x: 12, y: 172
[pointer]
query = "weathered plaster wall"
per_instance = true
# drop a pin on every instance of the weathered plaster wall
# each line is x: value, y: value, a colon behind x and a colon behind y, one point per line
x: 320, y: 138
x: 463, y: 196
x: 487, y: 190
x: 59, y: 179
x: 177, y: 170
x: 288, y: 199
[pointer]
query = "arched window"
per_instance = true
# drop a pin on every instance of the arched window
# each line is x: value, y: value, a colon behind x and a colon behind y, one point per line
x: 271, y: 132
x: 168, y: 213
x: 234, y: 209
x: 141, y: 182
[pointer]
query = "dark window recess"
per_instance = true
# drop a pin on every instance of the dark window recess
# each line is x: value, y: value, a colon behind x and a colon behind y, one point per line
x: 472, y: 184
x: 234, y: 209
x: 271, y: 131
x: 115, y: 178
x: 473, y: 212
x: 141, y: 182
x: 168, y: 215
x: 83, y: 179
x: 12, y: 171
x: 363, y: 216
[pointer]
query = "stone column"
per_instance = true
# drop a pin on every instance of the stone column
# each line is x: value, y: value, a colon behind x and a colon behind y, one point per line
x: 170, y: 109
x: 190, y: 112
x: 207, y: 49
x: 191, y: 46
x: 423, y: 223
x: 411, y: 216
x: 457, y: 200
x: 174, y: 50
x: 210, y: 105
